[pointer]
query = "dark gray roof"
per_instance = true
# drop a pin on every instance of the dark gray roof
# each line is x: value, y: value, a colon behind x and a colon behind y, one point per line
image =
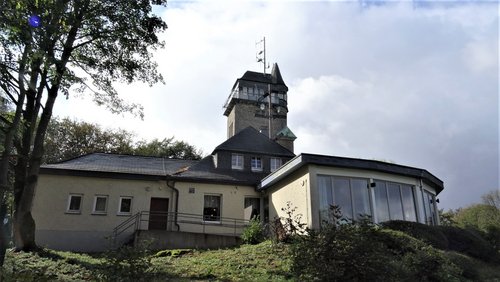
x: 343, y: 162
x: 249, y: 140
x: 205, y: 171
x: 100, y: 162
x: 274, y: 79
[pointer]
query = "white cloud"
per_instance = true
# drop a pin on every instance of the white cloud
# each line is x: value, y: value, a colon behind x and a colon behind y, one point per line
x: 418, y: 86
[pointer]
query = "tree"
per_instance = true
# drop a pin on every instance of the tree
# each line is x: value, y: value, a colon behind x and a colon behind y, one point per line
x: 50, y: 46
x: 168, y: 148
x: 492, y: 198
x: 66, y: 139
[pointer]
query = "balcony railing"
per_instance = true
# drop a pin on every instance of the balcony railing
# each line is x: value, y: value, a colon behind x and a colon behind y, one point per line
x: 183, y: 222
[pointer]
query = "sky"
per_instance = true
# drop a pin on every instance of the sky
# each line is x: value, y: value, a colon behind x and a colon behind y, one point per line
x: 414, y: 83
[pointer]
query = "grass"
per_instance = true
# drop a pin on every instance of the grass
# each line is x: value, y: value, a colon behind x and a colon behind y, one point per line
x: 262, y: 262
x: 266, y: 261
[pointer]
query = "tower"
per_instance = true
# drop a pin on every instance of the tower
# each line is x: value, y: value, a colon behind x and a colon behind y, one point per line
x: 259, y: 100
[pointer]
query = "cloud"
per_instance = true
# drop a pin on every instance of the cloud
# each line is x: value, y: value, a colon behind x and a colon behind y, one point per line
x: 417, y: 85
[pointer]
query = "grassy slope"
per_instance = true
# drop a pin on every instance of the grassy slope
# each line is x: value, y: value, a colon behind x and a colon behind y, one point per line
x: 262, y: 262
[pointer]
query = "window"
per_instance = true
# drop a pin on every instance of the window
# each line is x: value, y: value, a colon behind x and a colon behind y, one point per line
x: 275, y: 164
x: 236, y: 161
x: 100, y: 204
x: 125, y: 205
x: 256, y: 164
x: 394, y: 201
x: 350, y: 194
x: 430, y: 212
x: 74, y: 203
x: 252, y: 208
x: 211, y: 208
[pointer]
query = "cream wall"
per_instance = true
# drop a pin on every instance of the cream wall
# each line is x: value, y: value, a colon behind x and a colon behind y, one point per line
x: 232, y: 204
x: 52, y: 194
x: 296, y: 190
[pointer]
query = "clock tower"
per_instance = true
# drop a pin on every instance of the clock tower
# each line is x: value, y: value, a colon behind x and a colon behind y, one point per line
x: 259, y: 100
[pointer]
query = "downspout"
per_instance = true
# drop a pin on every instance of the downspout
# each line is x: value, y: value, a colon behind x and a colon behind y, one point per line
x: 176, y: 199
x: 176, y: 202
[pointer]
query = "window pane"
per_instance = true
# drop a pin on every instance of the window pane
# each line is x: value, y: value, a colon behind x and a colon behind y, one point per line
x: 381, y: 207
x: 75, y: 202
x: 100, y: 204
x: 395, y: 206
x: 275, y: 163
x: 342, y: 196
x: 325, y: 197
x: 256, y: 163
x: 361, y: 198
x: 429, y: 208
x: 211, y: 210
x: 408, y: 203
x: 252, y: 208
x: 237, y: 161
x: 126, y: 204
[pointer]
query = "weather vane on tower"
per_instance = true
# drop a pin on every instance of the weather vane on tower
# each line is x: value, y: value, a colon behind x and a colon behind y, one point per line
x: 261, y: 53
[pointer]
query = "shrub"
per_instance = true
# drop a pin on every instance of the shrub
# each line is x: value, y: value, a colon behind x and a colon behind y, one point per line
x: 469, y: 242
x: 429, y: 234
x: 468, y: 265
x: 127, y: 264
x: 254, y: 233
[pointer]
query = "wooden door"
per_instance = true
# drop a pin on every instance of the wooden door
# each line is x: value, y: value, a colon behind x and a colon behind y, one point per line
x: 158, y: 214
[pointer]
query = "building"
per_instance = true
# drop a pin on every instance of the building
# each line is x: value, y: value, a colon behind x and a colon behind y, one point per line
x: 99, y: 201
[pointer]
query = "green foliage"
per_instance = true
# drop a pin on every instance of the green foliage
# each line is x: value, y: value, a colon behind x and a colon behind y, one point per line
x: 469, y: 242
x: 68, y: 139
x: 429, y: 234
x: 135, y: 262
x: 492, y: 198
x: 253, y: 233
x: 285, y: 228
x: 468, y: 265
x: 480, y: 216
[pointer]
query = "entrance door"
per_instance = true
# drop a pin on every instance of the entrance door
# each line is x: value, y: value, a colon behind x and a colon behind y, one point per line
x: 158, y: 214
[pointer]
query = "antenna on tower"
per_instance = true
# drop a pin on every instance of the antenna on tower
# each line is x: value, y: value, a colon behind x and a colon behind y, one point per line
x: 261, y: 53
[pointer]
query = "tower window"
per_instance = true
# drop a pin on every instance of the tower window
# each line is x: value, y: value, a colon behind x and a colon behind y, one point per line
x: 256, y: 164
x: 236, y: 161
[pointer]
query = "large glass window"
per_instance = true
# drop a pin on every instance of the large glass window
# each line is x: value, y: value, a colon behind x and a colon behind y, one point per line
x: 408, y: 203
x: 430, y: 213
x: 350, y: 194
x: 394, y: 201
x: 211, y: 208
x: 237, y: 161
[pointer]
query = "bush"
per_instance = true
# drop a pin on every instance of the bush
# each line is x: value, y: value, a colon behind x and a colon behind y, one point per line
x: 254, y: 233
x: 127, y: 264
x: 469, y: 242
x: 468, y: 265
x: 429, y: 234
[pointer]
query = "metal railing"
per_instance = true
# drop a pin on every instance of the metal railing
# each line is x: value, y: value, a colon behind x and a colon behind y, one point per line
x: 147, y: 220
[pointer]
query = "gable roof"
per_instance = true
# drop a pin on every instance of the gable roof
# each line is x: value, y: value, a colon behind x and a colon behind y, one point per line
x: 128, y: 164
x: 249, y: 140
x: 343, y: 162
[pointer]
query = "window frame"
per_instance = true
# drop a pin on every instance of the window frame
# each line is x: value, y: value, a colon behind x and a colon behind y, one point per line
x: 120, y: 201
x: 208, y: 218
x: 70, y: 211
x: 100, y: 212
x: 258, y: 160
x: 237, y: 161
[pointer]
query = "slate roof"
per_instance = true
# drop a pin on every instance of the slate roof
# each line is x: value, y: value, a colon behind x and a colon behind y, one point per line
x: 343, y: 162
x: 205, y: 171
x: 140, y: 165
x: 249, y: 140
x: 274, y: 78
